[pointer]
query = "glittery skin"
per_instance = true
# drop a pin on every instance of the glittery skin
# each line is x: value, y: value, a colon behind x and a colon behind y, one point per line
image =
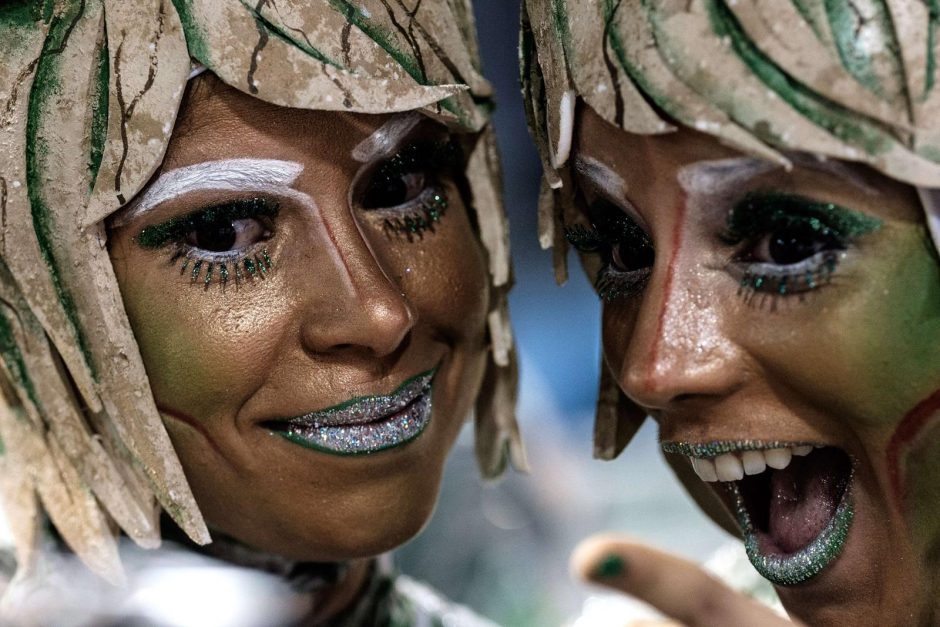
x: 708, y: 450
x: 805, y: 563
x: 367, y: 424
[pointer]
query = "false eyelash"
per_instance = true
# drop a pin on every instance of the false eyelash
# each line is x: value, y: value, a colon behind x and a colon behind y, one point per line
x: 256, y: 266
x: 175, y: 230
x: 612, y: 285
x: 784, y: 282
x: 423, y: 219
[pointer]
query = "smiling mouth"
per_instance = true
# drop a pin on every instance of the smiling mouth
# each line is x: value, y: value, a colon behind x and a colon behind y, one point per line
x: 792, y: 501
x: 366, y: 424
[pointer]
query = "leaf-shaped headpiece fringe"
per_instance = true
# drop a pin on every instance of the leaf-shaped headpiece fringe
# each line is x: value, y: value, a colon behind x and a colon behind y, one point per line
x: 89, y: 94
x: 857, y: 80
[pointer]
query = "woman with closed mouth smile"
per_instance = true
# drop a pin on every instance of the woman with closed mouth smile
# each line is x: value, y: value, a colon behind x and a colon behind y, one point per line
x: 254, y: 270
x: 751, y: 186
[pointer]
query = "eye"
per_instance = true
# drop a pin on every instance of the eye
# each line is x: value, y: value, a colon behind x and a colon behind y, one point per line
x: 632, y: 256
x: 790, y: 243
x: 223, y: 235
x: 219, y: 242
x: 625, y: 247
x: 392, y: 190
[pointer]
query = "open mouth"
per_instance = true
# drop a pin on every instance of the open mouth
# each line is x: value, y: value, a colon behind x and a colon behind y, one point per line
x: 793, y: 502
x: 365, y: 424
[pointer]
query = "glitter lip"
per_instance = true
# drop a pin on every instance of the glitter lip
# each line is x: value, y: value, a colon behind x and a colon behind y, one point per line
x: 785, y: 569
x: 364, y: 425
x: 807, y: 562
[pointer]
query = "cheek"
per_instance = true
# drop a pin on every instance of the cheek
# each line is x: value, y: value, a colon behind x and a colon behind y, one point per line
x: 444, y: 276
x: 205, y: 350
x: 863, y: 347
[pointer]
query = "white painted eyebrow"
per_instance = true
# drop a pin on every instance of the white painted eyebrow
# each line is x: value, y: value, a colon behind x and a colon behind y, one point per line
x: 717, y: 176
x: 601, y: 176
x: 257, y: 175
x: 384, y: 141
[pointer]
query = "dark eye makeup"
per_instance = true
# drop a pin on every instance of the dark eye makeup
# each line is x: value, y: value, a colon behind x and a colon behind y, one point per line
x: 783, y: 243
x: 407, y: 188
x: 228, y: 241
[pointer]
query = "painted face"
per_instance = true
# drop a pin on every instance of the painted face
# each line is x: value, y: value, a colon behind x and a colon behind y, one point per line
x: 309, y: 297
x: 781, y: 327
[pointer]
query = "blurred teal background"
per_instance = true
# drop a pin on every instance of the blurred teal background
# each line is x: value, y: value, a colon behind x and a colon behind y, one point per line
x: 503, y: 548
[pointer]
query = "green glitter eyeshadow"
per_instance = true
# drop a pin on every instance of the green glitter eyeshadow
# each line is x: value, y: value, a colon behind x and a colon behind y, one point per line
x: 177, y: 229
x: 762, y: 212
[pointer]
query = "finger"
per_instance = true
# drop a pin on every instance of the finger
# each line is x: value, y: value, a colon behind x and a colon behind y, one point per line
x: 676, y: 587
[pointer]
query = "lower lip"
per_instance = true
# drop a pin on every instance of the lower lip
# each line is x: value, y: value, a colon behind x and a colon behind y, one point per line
x: 362, y: 439
x: 795, y: 568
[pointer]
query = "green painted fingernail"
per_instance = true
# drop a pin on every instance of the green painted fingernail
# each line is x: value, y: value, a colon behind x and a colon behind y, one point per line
x: 610, y: 567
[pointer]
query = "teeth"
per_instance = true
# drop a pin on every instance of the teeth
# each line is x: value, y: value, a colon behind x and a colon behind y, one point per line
x: 778, y: 458
x: 729, y: 467
x: 803, y: 451
x: 705, y: 469
x: 733, y: 466
x: 754, y: 463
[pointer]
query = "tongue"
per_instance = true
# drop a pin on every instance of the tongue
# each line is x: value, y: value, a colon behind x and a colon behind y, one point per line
x: 804, y: 497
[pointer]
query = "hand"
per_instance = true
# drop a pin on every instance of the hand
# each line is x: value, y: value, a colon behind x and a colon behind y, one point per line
x: 676, y: 587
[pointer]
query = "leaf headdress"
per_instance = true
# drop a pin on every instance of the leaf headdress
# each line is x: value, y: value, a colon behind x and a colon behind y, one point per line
x: 89, y: 93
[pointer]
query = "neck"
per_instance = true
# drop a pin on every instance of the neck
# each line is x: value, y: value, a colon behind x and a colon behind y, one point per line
x: 331, y: 588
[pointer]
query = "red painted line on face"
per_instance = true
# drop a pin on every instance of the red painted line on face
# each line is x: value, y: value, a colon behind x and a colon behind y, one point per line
x: 667, y: 287
x: 192, y: 422
x: 906, y: 432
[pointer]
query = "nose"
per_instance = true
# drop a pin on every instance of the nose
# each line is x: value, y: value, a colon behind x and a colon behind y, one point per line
x: 679, y: 349
x: 358, y: 308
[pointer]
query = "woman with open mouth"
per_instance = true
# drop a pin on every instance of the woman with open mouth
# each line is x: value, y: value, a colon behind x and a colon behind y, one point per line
x: 750, y: 186
x: 254, y: 271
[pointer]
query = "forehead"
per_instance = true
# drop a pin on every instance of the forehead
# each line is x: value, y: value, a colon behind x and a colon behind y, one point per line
x: 217, y: 121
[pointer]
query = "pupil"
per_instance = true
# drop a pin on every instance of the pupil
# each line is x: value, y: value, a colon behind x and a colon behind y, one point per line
x: 793, y: 245
x: 388, y: 193
x: 636, y: 258
x: 216, y: 237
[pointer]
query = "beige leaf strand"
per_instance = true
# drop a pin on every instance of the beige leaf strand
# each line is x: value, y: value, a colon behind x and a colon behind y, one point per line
x: 783, y: 35
x: 20, y: 245
x: 596, y: 72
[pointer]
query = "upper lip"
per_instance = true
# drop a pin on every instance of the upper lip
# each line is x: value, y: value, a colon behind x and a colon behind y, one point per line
x: 366, y: 409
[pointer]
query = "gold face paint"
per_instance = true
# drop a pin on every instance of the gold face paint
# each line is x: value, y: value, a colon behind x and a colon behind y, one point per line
x: 742, y: 375
x: 332, y: 309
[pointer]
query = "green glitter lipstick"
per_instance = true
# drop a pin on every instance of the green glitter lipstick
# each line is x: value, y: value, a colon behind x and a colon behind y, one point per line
x: 793, y: 500
x: 366, y: 424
